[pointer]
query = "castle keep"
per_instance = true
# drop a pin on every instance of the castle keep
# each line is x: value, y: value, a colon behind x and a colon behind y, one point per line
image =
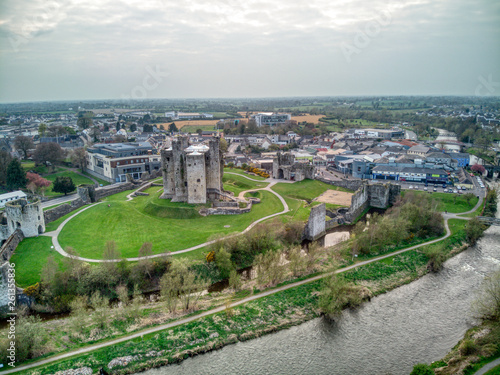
x: 285, y: 167
x: 192, y: 174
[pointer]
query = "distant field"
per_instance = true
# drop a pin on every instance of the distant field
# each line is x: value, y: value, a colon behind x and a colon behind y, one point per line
x: 194, y: 128
x: 181, y: 124
x: 309, y: 118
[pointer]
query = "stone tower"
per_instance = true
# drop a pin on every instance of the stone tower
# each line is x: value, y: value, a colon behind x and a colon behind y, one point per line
x: 192, y: 174
x: 25, y: 216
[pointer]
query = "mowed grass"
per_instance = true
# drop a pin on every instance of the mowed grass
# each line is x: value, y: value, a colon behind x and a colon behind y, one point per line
x: 77, y: 180
x: 30, y: 257
x: 168, y: 226
x: 242, y: 172
x: 453, y: 203
x: 305, y: 189
x: 237, y: 184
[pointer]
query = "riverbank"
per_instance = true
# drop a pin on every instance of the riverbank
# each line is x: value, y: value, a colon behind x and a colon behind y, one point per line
x: 255, y: 318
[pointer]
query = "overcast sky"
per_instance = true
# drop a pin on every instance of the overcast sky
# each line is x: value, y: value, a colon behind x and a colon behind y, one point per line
x: 101, y: 49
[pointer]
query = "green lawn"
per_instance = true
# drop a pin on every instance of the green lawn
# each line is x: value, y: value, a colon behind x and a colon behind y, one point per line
x: 168, y: 226
x: 237, y: 184
x: 453, y: 203
x: 242, y: 172
x: 305, y: 189
x: 103, y: 182
x: 30, y: 257
x: 77, y: 180
x: 194, y: 128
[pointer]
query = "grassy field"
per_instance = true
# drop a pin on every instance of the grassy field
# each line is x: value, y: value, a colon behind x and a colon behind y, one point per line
x: 305, y: 190
x: 194, y: 128
x: 77, y: 180
x: 30, y: 257
x: 453, y: 203
x: 237, y: 184
x: 168, y: 226
x: 102, y: 182
x: 242, y: 172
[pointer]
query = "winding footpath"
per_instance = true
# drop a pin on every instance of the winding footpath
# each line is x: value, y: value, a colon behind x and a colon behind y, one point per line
x: 234, y: 304
x: 271, y: 182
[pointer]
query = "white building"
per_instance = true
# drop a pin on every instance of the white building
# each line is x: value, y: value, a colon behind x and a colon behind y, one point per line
x: 271, y: 118
x: 7, y: 197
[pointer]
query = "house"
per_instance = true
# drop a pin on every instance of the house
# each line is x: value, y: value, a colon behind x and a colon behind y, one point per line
x: 419, y: 150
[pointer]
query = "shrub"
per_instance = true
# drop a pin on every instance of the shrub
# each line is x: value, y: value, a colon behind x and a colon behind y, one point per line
x: 422, y: 369
x: 337, y: 294
x: 467, y: 347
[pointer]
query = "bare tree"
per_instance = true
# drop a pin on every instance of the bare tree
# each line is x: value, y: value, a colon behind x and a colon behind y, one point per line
x: 79, y: 158
x: 24, y: 144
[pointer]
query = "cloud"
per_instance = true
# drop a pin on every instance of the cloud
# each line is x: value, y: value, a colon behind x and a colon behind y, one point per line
x: 214, y: 47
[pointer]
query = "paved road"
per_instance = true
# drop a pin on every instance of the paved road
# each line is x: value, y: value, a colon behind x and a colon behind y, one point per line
x: 60, y: 200
x: 483, y: 370
x: 219, y: 309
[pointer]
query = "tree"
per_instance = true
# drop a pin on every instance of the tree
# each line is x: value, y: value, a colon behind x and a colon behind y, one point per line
x: 172, y: 128
x: 79, y: 158
x: 95, y: 133
x: 487, y: 305
x: 100, y: 304
x: 37, y: 183
x: 5, y: 159
x: 15, y: 176
x: 234, y: 280
x: 84, y: 122
x: 473, y: 231
x: 337, y: 294
x: 478, y: 168
x: 24, y: 144
x: 199, y: 131
x: 133, y: 127
x: 468, y: 197
x: 42, y: 129
x: 63, y: 185
x: 148, y: 128
x: 223, y: 262
x: 119, y: 138
x: 48, y: 152
x: 223, y: 145
x: 79, y: 313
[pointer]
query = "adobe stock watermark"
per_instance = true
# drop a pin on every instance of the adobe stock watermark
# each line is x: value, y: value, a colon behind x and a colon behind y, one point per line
x: 486, y: 86
x: 364, y: 37
x: 31, y: 25
x: 12, y: 315
x: 151, y: 81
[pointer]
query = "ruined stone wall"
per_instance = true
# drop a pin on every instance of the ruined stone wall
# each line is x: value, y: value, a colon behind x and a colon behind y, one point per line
x: 10, y: 245
x: 359, y: 203
x: 167, y: 167
x: 196, y: 178
x: 55, y: 213
x: 346, y: 184
x: 212, y: 165
x: 180, y: 174
x: 281, y: 161
x: 4, y: 286
x: 104, y: 192
x: 315, y: 227
x: 25, y: 216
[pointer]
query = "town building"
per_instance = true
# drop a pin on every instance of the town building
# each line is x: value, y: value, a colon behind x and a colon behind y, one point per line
x: 114, y: 161
x: 413, y: 174
x: 8, y: 197
x: 271, y: 118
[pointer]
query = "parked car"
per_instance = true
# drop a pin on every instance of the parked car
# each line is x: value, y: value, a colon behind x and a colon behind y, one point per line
x: 425, y: 188
x: 435, y: 189
x: 410, y: 187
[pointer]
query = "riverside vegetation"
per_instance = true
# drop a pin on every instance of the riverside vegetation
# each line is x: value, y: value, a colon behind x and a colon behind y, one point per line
x: 277, y: 259
x: 480, y: 344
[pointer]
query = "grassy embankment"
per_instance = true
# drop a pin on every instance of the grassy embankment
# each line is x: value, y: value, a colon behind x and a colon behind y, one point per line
x: 299, y: 196
x: 453, y: 203
x: 168, y: 226
x: 266, y: 315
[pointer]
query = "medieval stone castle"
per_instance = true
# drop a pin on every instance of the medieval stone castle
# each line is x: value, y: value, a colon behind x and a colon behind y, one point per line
x: 192, y: 174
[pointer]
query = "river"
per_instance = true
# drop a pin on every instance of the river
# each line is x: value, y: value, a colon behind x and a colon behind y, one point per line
x: 418, y: 322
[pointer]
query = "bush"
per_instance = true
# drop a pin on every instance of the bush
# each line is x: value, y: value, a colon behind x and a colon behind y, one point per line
x: 467, y: 347
x: 436, y: 257
x: 337, y: 294
x: 422, y: 369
